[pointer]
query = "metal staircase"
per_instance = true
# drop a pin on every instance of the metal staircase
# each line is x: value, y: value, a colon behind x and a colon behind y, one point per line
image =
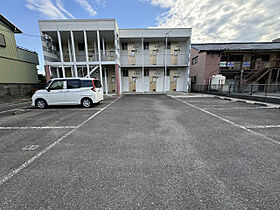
x: 255, y: 76
x: 93, y: 72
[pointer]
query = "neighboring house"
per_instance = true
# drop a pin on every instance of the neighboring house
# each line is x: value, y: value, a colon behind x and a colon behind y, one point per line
x: 126, y: 60
x: 17, y: 65
x: 254, y: 62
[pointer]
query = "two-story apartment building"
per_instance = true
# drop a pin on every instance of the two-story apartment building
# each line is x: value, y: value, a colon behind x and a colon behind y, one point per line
x: 246, y: 63
x: 126, y: 60
x: 17, y: 65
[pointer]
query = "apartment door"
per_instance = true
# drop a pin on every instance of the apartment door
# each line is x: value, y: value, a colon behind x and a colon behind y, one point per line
x: 132, y: 87
x: 153, y: 81
x: 173, y: 80
x: 153, y: 47
x: 174, y: 48
x: 131, y: 53
x: 111, y: 80
x: 110, y: 52
x: 132, y: 80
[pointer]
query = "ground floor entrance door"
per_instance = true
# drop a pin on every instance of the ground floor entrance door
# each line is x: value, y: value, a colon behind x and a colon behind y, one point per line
x: 132, y: 87
x: 153, y: 80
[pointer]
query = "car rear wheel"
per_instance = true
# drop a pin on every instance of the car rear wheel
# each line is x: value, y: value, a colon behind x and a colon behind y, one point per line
x: 86, y: 103
x: 41, y: 104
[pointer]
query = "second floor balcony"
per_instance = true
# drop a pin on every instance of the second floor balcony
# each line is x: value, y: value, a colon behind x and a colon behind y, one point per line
x: 154, y: 59
x: 106, y: 55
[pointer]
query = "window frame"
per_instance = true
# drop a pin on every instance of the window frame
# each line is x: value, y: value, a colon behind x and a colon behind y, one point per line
x: 146, y: 72
x: 146, y: 45
x: 4, y: 41
x: 63, y: 83
x: 195, y: 60
x: 124, y: 46
x: 125, y: 74
x: 89, y: 81
x: 79, y: 81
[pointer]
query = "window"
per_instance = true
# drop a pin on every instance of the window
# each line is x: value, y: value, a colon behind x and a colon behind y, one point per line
x: 97, y: 83
x: 133, y: 53
x: 195, y: 60
x: 168, y: 45
x: 72, y: 84
x: 2, y: 40
x: 81, y: 47
x: 168, y: 72
x: 125, y: 73
x: 57, y: 85
x: 146, y: 72
x: 86, y: 83
x: 193, y: 80
x: 146, y: 45
x: 124, y: 46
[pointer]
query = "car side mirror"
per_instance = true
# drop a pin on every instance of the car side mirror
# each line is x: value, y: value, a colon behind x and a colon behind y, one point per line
x: 48, y: 89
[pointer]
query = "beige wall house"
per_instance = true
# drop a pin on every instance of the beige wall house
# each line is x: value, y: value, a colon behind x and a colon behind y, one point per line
x: 17, y: 65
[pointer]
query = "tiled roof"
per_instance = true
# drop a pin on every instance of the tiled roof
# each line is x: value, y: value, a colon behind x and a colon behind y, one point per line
x: 237, y: 46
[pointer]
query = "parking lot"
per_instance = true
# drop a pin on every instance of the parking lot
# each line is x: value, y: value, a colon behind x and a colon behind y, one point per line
x: 141, y: 151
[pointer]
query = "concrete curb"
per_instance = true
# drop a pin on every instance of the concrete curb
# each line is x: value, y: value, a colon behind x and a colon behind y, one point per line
x: 249, y: 102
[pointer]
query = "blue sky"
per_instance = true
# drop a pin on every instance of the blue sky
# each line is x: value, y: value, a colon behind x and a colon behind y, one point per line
x: 211, y: 20
x: 129, y: 14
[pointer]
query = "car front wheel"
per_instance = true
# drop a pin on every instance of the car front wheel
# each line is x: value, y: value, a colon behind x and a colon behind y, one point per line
x: 86, y: 103
x: 41, y: 104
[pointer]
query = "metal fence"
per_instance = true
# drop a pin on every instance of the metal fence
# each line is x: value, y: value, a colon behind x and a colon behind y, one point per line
x: 264, y: 90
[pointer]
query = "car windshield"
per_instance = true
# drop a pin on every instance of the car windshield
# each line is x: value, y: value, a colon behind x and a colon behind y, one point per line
x: 48, y: 84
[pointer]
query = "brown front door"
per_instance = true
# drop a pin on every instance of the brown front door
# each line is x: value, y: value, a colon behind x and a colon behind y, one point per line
x: 153, y: 53
x: 174, y: 53
x: 131, y: 53
x: 153, y: 80
x: 132, y: 87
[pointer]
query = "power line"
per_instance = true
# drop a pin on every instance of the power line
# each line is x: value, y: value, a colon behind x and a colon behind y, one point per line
x: 181, y: 20
x: 30, y: 35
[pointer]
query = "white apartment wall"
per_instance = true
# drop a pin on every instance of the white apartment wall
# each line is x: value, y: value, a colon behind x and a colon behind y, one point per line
x: 155, y: 33
x: 77, y: 25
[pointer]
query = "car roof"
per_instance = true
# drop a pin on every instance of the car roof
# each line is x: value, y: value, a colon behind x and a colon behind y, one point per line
x: 71, y: 78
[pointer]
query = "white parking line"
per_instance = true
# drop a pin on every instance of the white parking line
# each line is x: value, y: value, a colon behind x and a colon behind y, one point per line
x: 228, y: 121
x: 43, y: 127
x: 238, y: 108
x: 264, y: 126
x: 4, y: 105
x: 15, y: 109
x: 28, y: 162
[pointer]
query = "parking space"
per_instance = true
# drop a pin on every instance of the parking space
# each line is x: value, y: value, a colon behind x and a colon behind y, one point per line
x: 257, y: 117
x: 141, y: 151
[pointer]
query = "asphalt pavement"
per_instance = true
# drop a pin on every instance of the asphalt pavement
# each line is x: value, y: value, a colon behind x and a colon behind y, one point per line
x: 141, y: 152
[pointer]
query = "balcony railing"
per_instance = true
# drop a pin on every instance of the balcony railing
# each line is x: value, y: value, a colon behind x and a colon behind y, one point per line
x: 232, y: 65
x: 106, y: 55
x: 155, y: 59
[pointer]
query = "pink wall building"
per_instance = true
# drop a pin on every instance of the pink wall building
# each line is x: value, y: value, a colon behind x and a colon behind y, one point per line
x: 249, y: 62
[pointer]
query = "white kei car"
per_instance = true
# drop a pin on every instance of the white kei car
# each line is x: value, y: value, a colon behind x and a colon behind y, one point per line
x: 69, y: 91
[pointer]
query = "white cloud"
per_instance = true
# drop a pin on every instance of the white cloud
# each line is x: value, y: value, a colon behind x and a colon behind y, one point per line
x: 48, y: 8
x: 60, y: 6
x: 87, y: 6
x: 223, y: 21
